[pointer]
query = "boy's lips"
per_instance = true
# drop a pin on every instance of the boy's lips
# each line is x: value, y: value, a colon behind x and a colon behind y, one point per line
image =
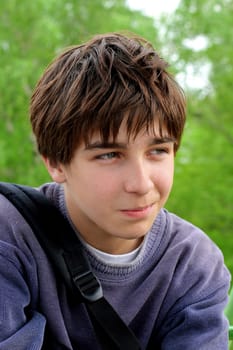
x: 138, y: 212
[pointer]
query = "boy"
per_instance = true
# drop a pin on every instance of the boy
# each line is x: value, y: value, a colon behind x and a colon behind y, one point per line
x: 108, y: 119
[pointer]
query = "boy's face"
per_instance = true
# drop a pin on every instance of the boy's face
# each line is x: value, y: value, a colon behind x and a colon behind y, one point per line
x: 115, y: 191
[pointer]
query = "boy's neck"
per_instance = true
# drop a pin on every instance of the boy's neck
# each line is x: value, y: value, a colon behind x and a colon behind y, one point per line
x: 115, y: 246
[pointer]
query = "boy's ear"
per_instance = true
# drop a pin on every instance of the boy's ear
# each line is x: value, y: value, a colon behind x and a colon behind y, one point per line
x: 55, y: 170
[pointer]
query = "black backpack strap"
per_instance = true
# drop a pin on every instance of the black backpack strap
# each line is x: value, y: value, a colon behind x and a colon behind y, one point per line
x: 66, y: 253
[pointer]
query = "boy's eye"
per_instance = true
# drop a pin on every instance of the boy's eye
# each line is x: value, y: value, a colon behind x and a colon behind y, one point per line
x: 158, y: 151
x: 109, y: 155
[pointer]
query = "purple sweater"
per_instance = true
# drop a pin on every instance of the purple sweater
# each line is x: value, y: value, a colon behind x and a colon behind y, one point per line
x: 173, y: 293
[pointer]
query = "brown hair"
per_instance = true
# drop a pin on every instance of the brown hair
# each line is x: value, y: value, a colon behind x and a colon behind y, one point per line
x: 94, y: 86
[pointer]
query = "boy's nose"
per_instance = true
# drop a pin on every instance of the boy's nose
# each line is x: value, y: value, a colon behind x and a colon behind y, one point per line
x: 138, y: 179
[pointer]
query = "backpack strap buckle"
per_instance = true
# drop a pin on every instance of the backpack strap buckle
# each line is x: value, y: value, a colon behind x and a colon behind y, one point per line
x: 82, y: 276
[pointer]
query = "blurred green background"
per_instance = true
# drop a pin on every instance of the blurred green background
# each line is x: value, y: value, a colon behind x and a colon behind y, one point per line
x: 197, y: 41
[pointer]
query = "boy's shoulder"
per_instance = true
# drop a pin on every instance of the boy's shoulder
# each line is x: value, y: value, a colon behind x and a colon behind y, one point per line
x: 184, y: 230
x: 13, y: 226
x: 190, y: 244
x: 194, y: 261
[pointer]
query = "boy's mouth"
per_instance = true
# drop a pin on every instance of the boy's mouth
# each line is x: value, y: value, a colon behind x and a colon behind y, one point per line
x: 138, y: 212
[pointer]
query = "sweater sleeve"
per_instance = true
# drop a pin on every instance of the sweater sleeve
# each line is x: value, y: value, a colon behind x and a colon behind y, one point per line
x: 20, y: 327
x: 201, y: 325
x: 199, y: 294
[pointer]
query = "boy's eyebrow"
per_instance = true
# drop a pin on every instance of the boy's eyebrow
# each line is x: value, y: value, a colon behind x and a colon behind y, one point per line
x: 121, y: 145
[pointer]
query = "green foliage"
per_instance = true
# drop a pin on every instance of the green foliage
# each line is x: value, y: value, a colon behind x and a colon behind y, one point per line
x: 203, y: 190
x: 202, y: 186
x: 31, y: 34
